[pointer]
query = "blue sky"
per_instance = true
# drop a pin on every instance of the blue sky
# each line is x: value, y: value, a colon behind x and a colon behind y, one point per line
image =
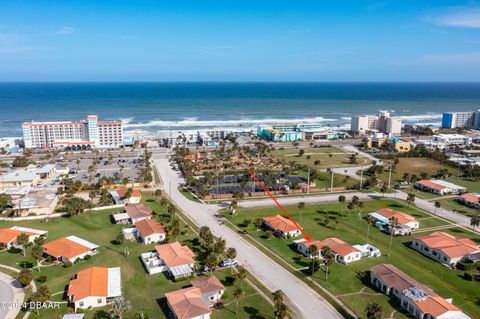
x: 201, y: 40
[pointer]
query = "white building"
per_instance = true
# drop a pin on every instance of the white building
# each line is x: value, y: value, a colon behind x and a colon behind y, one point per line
x: 8, y: 236
x: 73, y: 134
x: 95, y: 287
x: 173, y: 258
x: 461, y: 120
x: 452, y: 139
x: 382, y: 122
x: 69, y: 249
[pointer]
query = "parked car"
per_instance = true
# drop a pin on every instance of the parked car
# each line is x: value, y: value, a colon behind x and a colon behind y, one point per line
x: 229, y: 263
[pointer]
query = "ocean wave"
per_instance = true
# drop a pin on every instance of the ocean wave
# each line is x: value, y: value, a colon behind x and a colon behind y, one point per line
x: 194, y: 122
x: 421, y: 117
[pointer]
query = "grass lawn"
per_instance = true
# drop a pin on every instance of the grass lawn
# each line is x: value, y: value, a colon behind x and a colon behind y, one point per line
x: 471, y: 185
x: 453, y: 205
x: 190, y: 196
x: 328, y: 156
x: 346, y: 279
x: 413, y: 166
x: 145, y: 292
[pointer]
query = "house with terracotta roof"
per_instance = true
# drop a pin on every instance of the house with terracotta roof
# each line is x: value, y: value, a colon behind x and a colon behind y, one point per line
x: 405, y: 222
x: 173, y: 258
x: 343, y: 252
x: 303, y: 246
x: 150, y: 231
x: 133, y: 214
x: 71, y: 248
x: 281, y: 226
x: 420, y: 301
x: 119, y: 196
x: 445, y: 248
x: 8, y: 236
x: 195, y: 302
x: 471, y: 200
x: 439, y: 187
x: 95, y: 287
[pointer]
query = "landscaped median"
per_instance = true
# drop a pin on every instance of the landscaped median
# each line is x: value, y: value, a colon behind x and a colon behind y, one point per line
x: 349, y: 283
x: 144, y: 292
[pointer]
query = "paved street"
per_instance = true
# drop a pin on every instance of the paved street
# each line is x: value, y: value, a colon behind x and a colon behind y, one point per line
x: 307, y: 302
x: 10, y: 292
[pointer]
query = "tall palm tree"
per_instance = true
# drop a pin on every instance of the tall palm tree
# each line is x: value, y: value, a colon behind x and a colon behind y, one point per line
x: 475, y: 221
x: 370, y: 220
x: 301, y: 206
x: 437, y: 205
x: 241, y: 275
x: 374, y: 311
x: 233, y: 206
x: 392, y: 223
x: 238, y: 294
x: 313, y: 251
x: 410, y: 198
x: 328, y: 259
x: 120, y: 306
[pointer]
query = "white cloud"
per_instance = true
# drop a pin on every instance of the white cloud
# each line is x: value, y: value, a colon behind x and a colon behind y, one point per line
x: 65, y: 30
x: 458, y: 17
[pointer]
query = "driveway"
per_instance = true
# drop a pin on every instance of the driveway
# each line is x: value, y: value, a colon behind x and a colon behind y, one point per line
x: 307, y: 303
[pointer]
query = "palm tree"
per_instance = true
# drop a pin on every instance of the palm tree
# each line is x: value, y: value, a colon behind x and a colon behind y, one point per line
x: 342, y: 199
x: 278, y: 297
x: 37, y: 253
x: 392, y: 223
x: 475, y: 221
x: 374, y: 311
x: 238, y: 294
x: 301, y: 206
x: 370, y: 220
x: 437, y: 205
x: 120, y: 306
x: 328, y: 259
x: 313, y: 251
x: 281, y: 312
x: 410, y: 198
x: 233, y: 206
x: 241, y: 275
x: 22, y: 240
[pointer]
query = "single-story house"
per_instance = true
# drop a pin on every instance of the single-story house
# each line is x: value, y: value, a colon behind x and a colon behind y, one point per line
x: 150, y: 231
x: 445, y: 248
x: 119, y: 196
x: 133, y: 214
x: 368, y: 251
x: 95, y: 287
x: 344, y: 252
x: 303, y: 246
x: 471, y: 200
x: 439, y: 187
x: 282, y: 226
x: 420, y: 301
x: 171, y: 257
x: 406, y: 222
x: 69, y: 248
x: 8, y: 236
x: 195, y: 301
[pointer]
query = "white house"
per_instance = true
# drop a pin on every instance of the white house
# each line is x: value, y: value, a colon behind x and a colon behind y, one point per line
x: 445, y: 248
x: 195, y: 301
x: 69, y: 248
x: 95, y: 287
x: 133, y: 214
x: 368, y: 251
x: 405, y: 222
x: 440, y: 187
x: 420, y: 301
x: 171, y: 257
x: 8, y: 236
x: 150, y: 231
x: 344, y: 253
x: 280, y: 225
x: 119, y: 196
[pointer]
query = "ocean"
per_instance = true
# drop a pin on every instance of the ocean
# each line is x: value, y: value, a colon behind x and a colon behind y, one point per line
x: 152, y: 108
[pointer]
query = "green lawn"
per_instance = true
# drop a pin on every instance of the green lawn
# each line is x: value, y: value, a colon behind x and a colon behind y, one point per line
x: 471, y: 185
x: 328, y: 156
x: 345, y: 279
x: 453, y: 205
x: 145, y: 292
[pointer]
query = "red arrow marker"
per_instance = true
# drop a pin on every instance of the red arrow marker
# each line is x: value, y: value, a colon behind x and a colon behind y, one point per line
x: 305, y: 235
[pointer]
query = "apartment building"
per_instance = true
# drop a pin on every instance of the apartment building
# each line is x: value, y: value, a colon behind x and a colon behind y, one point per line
x: 469, y: 120
x: 382, y: 122
x: 75, y: 135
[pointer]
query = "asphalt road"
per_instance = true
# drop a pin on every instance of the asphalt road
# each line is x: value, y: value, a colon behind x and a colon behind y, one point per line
x: 6, y: 295
x: 307, y: 303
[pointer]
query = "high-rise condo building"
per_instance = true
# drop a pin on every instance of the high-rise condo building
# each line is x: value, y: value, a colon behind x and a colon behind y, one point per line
x: 382, y: 122
x: 84, y: 134
x: 469, y: 120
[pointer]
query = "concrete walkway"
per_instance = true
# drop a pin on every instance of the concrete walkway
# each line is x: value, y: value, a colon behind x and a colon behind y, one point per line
x: 307, y: 303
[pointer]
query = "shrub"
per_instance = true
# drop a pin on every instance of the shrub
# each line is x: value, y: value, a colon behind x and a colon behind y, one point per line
x: 67, y: 264
x: 468, y: 276
x: 42, y: 278
x: 14, y: 250
x: 87, y: 257
x: 466, y: 266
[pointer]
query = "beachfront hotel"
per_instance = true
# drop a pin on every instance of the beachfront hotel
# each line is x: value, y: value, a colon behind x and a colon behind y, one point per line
x: 75, y: 135
x: 468, y: 120
x: 382, y: 122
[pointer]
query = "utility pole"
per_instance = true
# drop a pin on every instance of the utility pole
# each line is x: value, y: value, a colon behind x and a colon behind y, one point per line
x: 390, y: 176
x: 308, y: 181
x: 361, y: 178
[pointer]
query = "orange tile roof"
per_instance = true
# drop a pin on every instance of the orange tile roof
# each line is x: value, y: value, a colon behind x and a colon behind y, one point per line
x: 312, y: 242
x: 8, y: 235
x: 394, y: 277
x: 63, y: 247
x: 207, y: 285
x: 429, y: 184
x: 138, y: 211
x: 187, y: 303
x: 147, y: 227
x: 436, y: 306
x: 449, y: 245
x: 471, y: 198
x: 135, y: 192
x: 281, y: 223
x: 174, y: 254
x: 92, y: 281
x: 338, y: 246
x: 401, y: 217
